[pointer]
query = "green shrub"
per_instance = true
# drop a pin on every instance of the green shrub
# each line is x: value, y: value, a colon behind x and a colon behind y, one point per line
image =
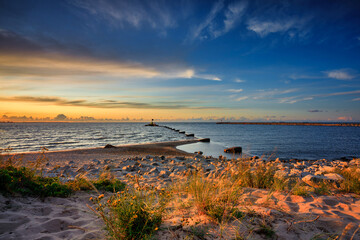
x: 109, y: 185
x: 25, y: 182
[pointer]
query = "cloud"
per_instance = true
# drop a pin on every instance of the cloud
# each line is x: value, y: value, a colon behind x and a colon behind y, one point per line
x: 294, y: 99
x: 237, y: 80
x: 63, y: 65
x: 341, y: 74
x: 232, y: 14
x: 270, y: 93
x: 210, y: 27
x: 235, y: 90
x: 340, y: 93
x: 197, y: 31
x: 107, y: 103
x: 315, y: 110
x: 356, y: 99
x: 241, y: 98
x: 345, y: 118
x: 265, y: 27
x: 23, y: 57
x: 154, y: 14
x: 187, y: 73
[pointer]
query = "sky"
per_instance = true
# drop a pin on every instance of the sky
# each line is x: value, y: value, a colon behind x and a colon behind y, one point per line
x: 180, y: 60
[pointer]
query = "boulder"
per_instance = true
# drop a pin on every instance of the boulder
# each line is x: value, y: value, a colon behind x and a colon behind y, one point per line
x: 233, y: 150
x: 109, y: 146
x: 334, y: 177
x: 204, y: 140
x: 316, y: 180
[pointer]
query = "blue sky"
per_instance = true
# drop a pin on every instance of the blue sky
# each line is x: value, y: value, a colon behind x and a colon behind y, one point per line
x: 181, y: 60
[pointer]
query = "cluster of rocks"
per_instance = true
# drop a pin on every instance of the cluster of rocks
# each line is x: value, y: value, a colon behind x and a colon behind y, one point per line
x: 160, y: 170
x: 315, y: 172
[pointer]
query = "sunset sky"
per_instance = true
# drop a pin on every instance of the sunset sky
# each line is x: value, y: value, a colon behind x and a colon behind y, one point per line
x: 180, y: 60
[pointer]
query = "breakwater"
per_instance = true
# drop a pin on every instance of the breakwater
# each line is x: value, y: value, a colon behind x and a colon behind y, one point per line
x: 295, y: 124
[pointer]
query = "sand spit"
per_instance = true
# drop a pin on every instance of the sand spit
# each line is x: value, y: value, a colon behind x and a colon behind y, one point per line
x: 161, y: 165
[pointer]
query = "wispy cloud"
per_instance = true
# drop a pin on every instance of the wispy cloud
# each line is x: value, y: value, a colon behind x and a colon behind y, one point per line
x: 270, y: 93
x: 235, y: 90
x: 197, y: 32
x: 241, y: 98
x: 340, y: 93
x: 106, y: 103
x: 233, y: 13
x: 57, y: 64
x: 340, y: 74
x: 135, y: 13
x: 356, y: 99
x: 238, y: 80
x: 211, y: 27
x: 265, y: 27
x: 315, y: 110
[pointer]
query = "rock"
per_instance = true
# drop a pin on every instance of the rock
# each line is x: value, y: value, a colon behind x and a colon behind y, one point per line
x: 209, y: 168
x: 204, y: 140
x: 304, y: 174
x: 107, y: 167
x: 199, y: 152
x: 190, y: 135
x: 233, y: 150
x: 334, y: 177
x: 154, y: 170
x: 106, y: 161
x: 109, y: 146
x: 96, y: 162
x: 316, y: 180
x: 67, y: 172
x: 164, y: 173
x: 327, y: 169
x: 313, y: 180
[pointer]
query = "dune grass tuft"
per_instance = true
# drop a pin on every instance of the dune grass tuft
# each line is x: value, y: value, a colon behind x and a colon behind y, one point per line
x: 134, y: 213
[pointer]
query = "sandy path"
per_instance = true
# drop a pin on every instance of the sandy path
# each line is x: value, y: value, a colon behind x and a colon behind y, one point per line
x: 53, y: 218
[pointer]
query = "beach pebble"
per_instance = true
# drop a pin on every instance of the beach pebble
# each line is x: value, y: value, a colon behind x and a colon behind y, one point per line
x: 96, y: 162
x: 164, y: 173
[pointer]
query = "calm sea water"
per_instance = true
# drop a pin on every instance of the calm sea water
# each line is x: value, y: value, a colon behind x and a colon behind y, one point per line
x: 303, y: 142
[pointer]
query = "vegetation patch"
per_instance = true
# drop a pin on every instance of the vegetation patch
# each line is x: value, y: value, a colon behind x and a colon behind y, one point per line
x: 25, y: 182
x: 134, y: 213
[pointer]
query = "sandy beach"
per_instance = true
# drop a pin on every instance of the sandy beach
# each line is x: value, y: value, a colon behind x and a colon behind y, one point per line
x: 160, y: 165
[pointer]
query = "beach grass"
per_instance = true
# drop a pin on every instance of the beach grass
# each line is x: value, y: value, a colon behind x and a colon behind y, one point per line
x: 133, y: 213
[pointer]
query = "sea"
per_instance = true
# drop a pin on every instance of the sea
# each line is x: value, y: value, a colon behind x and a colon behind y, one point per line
x: 270, y: 141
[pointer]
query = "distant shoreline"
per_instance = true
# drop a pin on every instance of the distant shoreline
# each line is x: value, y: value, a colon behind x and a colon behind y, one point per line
x: 295, y: 124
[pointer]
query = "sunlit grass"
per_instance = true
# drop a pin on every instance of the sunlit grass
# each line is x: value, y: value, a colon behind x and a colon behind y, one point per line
x: 134, y: 213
